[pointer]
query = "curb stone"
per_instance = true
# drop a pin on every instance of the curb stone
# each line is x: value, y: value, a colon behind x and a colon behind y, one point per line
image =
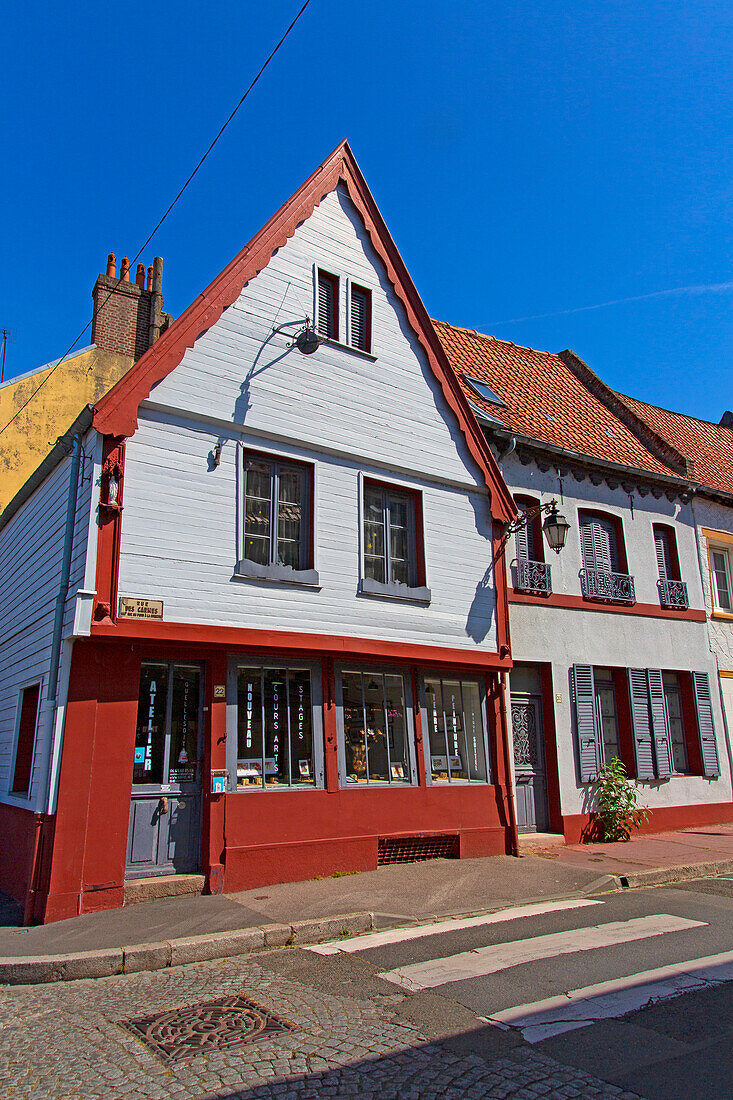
x: 662, y: 875
x: 42, y: 969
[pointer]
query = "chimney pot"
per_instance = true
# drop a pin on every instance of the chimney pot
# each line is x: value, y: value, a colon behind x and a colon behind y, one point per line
x: 140, y: 276
x: 125, y: 269
x: 112, y: 265
x: 150, y: 277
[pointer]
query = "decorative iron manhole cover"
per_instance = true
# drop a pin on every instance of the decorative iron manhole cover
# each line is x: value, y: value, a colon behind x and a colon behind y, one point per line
x: 224, y: 1024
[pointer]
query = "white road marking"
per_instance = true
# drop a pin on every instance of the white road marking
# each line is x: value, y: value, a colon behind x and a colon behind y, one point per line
x: 418, y: 932
x: 606, y: 1000
x: 501, y: 956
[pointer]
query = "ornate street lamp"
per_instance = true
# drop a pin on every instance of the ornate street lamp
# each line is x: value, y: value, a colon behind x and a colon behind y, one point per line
x: 556, y: 527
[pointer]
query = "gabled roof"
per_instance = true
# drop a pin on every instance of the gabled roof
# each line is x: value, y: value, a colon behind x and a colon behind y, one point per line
x: 708, y: 447
x: 556, y: 399
x: 116, y: 413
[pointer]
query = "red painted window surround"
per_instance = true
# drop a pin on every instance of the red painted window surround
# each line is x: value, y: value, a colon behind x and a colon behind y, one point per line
x: 328, y: 285
x: 309, y: 469
x: 579, y: 603
x: 618, y: 526
x: 416, y: 496
x: 26, y: 740
x: 669, y: 532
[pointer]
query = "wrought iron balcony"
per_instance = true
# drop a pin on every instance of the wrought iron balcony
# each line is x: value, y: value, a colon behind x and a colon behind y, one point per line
x: 532, y: 576
x: 613, y: 587
x: 673, y: 594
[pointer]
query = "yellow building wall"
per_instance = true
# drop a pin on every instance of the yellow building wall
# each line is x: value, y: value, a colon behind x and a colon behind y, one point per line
x: 80, y: 380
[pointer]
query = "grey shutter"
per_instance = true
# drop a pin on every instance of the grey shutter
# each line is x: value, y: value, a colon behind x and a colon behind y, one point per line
x: 587, y: 544
x: 703, y: 703
x: 604, y: 538
x: 585, y: 719
x: 639, y: 692
x: 661, y: 544
x: 660, y: 724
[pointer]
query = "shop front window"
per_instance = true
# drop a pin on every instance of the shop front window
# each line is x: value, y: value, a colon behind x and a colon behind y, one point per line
x: 168, y: 716
x: 457, y: 736
x: 275, y: 739
x: 375, y: 734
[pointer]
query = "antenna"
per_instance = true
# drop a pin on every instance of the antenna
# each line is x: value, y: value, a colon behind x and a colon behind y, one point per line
x: 8, y: 335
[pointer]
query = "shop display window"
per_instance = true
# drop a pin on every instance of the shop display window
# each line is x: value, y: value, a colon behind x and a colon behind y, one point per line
x: 454, y: 712
x: 376, y: 729
x: 275, y: 741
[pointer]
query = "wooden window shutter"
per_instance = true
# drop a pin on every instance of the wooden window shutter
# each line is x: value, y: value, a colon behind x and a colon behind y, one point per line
x: 524, y: 540
x: 360, y: 318
x: 589, y: 755
x: 328, y: 305
x: 26, y: 740
x: 660, y: 724
x: 640, y: 718
x: 664, y: 557
x: 706, y: 729
x: 587, y: 543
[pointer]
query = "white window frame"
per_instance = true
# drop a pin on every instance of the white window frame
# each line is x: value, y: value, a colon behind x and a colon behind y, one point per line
x: 727, y: 551
x: 345, y: 279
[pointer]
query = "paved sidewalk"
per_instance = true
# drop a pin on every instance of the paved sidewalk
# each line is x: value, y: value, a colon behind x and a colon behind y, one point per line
x: 401, y: 893
x: 656, y: 858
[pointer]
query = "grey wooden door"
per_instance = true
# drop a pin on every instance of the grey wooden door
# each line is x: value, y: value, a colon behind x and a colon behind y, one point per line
x: 529, y: 764
x: 164, y: 835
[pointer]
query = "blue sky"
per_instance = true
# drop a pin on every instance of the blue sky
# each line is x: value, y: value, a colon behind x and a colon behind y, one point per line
x: 528, y: 159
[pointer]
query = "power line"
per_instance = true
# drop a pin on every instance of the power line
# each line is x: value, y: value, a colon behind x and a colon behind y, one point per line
x: 145, y: 243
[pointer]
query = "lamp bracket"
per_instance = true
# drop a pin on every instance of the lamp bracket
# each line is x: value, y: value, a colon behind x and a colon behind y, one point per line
x: 527, y: 516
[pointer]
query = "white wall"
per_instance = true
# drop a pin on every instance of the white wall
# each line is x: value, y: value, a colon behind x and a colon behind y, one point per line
x: 719, y: 518
x: 179, y: 544
x: 31, y: 550
x: 382, y: 414
x: 564, y: 637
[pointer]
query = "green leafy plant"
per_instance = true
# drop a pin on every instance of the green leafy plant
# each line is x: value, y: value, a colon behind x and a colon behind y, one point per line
x: 617, y: 810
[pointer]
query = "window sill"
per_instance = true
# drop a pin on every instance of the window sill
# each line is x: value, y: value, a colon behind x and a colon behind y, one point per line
x: 276, y: 574
x: 272, y: 787
x: 330, y: 343
x: 376, y: 784
x: 726, y: 615
x: 394, y: 591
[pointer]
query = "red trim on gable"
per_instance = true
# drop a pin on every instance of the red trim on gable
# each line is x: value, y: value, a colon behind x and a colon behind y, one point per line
x: 116, y: 412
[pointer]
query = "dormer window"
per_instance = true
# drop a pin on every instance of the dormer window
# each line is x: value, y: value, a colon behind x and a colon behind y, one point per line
x: 482, y: 389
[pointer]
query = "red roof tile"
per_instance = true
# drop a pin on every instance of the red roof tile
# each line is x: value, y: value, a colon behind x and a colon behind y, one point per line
x: 709, y: 447
x: 547, y: 400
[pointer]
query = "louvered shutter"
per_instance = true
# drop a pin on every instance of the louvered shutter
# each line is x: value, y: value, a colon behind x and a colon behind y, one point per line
x: 587, y: 544
x: 586, y: 721
x: 706, y: 729
x: 359, y: 318
x: 660, y: 724
x: 664, y: 563
x: 639, y: 691
x: 327, y: 304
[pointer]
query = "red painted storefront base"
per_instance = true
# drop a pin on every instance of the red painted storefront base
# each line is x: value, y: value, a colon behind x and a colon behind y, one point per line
x: 249, y: 838
x: 18, y: 828
x: 583, y: 829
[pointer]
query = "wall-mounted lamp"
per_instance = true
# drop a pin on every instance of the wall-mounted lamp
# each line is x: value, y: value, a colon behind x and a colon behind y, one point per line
x: 556, y: 527
x: 306, y: 340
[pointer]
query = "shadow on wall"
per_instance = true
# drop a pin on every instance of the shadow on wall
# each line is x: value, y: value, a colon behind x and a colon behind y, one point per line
x: 482, y: 612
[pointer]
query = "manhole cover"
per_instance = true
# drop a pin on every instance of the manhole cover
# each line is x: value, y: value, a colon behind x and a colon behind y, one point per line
x: 224, y: 1024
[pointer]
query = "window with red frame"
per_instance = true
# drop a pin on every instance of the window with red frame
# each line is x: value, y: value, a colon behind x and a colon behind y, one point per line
x: 277, y: 511
x: 360, y: 318
x: 328, y: 305
x: 393, y: 551
x: 26, y: 739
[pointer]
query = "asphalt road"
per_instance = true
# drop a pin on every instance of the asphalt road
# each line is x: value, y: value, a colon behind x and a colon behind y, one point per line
x: 634, y: 988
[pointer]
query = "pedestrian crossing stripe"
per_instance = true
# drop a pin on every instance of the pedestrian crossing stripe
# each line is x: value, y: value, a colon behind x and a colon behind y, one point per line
x: 453, y: 924
x: 607, y: 1000
x: 490, y: 960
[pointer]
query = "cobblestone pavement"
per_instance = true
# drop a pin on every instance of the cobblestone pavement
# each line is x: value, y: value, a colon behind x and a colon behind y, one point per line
x: 65, y: 1040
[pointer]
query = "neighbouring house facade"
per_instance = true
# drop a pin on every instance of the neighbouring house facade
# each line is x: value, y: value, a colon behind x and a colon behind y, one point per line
x: 282, y: 642
x: 610, y: 638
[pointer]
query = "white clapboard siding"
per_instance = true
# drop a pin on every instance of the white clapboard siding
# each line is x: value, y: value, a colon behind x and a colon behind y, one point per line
x: 31, y: 550
x: 179, y: 544
x: 389, y: 407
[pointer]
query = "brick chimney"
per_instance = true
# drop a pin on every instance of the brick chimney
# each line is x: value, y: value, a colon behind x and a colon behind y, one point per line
x: 128, y: 317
